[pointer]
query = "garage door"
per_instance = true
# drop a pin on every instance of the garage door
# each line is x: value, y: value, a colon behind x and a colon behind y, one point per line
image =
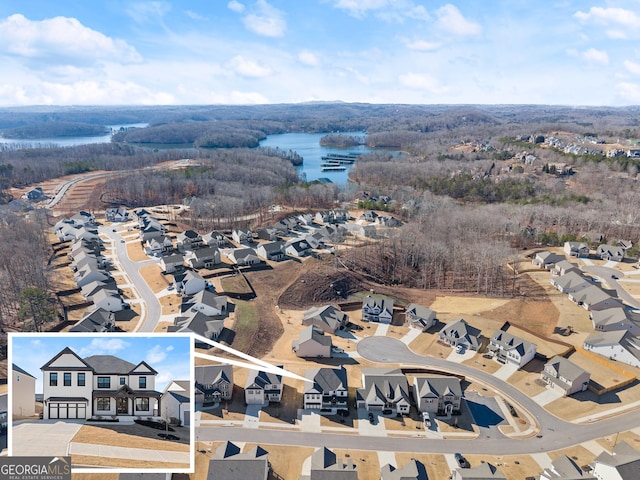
x: 67, y: 410
x: 187, y: 419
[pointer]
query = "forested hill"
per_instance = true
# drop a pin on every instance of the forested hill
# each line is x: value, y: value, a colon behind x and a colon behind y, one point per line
x: 55, y: 130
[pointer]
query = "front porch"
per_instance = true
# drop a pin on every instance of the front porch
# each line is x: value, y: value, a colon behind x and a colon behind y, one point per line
x: 125, y: 402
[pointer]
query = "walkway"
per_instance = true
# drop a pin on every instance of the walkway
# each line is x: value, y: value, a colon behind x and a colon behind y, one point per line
x: 110, y: 451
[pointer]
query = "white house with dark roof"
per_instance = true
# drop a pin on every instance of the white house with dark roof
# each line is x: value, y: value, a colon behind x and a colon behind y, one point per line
x: 576, y: 249
x: 214, y: 239
x: 108, y: 300
x: 610, y: 252
x: 297, y: 247
x: 617, y: 345
x: 242, y: 235
x: 511, y: 349
x: 326, y: 465
x: 384, y: 390
x: 546, y: 260
x: 244, y: 256
x: 99, y: 385
x: 189, y: 240
x: 199, y: 323
x: 172, y: 263
x: 594, y: 298
x: 262, y: 388
x: 23, y: 392
x: 189, y: 283
x: 176, y: 402
x: 621, y: 464
x: 326, y: 390
x: 437, y: 394
x: 420, y: 317
x: 327, y: 318
x: 273, y: 251
x: 565, y: 376
x: 204, y: 257
x: 209, y: 303
x: 564, y: 468
x: 312, y: 343
x: 377, y: 309
x: 570, y: 282
x: 459, y: 332
x: 116, y: 214
x: 213, y: 384
x: 413, y: 470
x: 230, y: 463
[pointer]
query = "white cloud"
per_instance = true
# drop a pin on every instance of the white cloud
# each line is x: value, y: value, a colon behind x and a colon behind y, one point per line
x: 624, y: 22
x: 422, y: 81
x: 596, y: 56
x: 235, y: 6
x: 308, y: 58
x: 632, y: 67
x: 103, y: 346
x: 147, y: 12
x: 60, y: 37
x: 248, y: 68
x: 389, y: 10
x: 156, y: 355
x: 422, y: 45
x: 451, y: 20
x: 195, y: 15
x: 169, y: 348
x: 630, y: 92
x: 265, y: 20
x: 246, y: 98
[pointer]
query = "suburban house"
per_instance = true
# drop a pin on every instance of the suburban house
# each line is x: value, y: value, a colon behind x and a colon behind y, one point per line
x: 273, y: 251
x: 615, y: 318
x: 176, y: 402
x: 209, y: 303
x: 388, y: 221
x: 214, y: 239
x: 377, y: 309
x: 189, y: 283
x: 189, y: 240
x: 510, y: 349
x: 385, y: 390
x: 242, y: 236
x: 546, y: 259
x: 570, y: 282
x: 172, y: 263
x: 116, y: 214
x: 23, y: 392
x: 437, y: 394
x: 213, y: 383
x: 622, y: 464
x: 326, y: 465
x: 564, y: 468
x: 327, y: 318
x: 594, y: 298
x: 332, y: 216
x: 369, y: 216
x: 158, y: 246
x: 617, y: 345
x: 565, y: 376
x: 413, y: 470
x: 576, y: 249
x: 229, y: 463
x: 206, y: 257
x: 99, y: 320
x: 484, y: 471
x: 312, y: 342
x: 152, y: 228
x: 99, y: 385
x: 270, y: 234
x: 108, y: 300
x: 244, y: 256
x: 420, y: 317
x: 326, y: 390
x: 305, y: 219
x: 262, y: 387
x: 563, y: 267
x: 610, y: 252
x: 88, y: 275
x: 297, y: 248
x: 198, y: 323
x: 459, y: 332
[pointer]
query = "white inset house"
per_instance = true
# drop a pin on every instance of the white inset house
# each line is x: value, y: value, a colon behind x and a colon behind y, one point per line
x: 511, y: 349
x: 99, y: 385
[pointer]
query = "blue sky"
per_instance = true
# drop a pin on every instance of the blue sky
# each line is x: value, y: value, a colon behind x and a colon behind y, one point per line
x: 119, y: 52
x: 168, y: 355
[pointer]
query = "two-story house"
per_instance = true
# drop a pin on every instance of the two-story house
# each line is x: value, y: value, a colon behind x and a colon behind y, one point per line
x: 326, y: 390
x: 565, y: 376
x: 23, y: 392
x: 576, y: 249
x: 213, y: 383
x: 262, y: 387
x: 437, y: 394
x: 510, y: 349
x: 384, y: 390
x: 99, y: 385
x: 420, y: 317
x: 459, y: 332
x: 377, y: 309
x: 327, y: 318
x: 623, y: 463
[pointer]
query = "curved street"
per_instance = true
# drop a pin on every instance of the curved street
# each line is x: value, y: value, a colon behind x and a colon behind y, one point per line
x: 610, y: 277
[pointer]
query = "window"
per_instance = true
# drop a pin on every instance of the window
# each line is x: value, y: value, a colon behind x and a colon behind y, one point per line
x: 142, y: 382
x: 66, y: 378
x: 122, y: 380
x: 103, y: 403
x: 53, y: 379
x: 17, y: 378
x: 104, y: 382
x: 142, y: 404
x: 81, y: 380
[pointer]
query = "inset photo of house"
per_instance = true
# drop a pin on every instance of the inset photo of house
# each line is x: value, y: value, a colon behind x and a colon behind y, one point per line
x: 110, y: 401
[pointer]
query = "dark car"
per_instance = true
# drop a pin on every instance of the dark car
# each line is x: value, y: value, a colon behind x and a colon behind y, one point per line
x: 462, y: 462
x: 371, y: 418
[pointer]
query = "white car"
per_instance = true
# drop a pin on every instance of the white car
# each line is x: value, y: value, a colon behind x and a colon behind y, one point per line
x: 460, y: 349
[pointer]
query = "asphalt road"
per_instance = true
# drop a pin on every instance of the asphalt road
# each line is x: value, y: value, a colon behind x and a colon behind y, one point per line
x: 555, y: 433
x: 606, y: 275
x: 151, y: 310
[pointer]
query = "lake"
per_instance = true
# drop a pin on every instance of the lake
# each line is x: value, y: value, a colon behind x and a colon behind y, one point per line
x: 67, y: 141
x: 308, y: 146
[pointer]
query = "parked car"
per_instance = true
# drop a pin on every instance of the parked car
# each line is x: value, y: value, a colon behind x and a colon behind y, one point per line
x: 460, y: 349
x: 371, y: 418
x: 462, y: 462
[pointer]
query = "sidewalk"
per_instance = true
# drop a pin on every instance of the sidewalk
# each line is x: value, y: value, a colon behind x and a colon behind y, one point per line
x: 110, y: 451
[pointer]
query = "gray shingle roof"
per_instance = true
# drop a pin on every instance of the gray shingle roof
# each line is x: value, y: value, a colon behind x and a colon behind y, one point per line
x: 327, y: 379
x: 565, y: 368
x: 16, y: 368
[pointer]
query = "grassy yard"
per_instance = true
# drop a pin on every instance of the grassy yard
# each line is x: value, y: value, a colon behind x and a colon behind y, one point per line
x: 246, y: 325
x: 235, y: 284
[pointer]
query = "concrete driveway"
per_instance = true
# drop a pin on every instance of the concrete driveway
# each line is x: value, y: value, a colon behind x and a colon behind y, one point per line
x: 43, y: 437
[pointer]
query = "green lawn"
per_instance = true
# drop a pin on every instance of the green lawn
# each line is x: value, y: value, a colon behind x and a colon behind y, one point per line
x: 245, y: 326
